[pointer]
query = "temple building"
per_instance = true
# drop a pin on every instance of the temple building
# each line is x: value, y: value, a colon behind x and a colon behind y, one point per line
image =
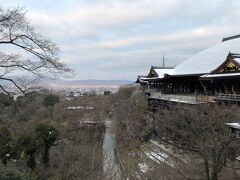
x: 213, y: 74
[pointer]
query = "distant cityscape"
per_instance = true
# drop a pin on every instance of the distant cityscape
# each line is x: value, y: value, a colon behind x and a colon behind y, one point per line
x: 81, y: 87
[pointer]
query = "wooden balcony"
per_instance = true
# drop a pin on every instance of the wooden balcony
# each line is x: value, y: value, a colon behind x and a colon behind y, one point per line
x: 183, y: 99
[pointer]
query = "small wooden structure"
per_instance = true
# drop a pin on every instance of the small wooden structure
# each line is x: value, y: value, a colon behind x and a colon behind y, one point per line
x: 234, y: 128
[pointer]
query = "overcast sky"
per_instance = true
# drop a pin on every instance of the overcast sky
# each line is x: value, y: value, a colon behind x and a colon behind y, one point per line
x: 120, y: 39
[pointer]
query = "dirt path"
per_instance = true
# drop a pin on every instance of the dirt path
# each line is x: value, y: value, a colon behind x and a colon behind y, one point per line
x: 111, y: 166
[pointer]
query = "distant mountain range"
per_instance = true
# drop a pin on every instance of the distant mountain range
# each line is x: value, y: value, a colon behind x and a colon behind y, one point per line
x: 88, y: 82
x: 99, y: 82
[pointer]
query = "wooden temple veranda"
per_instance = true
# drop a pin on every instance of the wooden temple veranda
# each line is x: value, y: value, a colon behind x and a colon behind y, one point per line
x: 213, y: 75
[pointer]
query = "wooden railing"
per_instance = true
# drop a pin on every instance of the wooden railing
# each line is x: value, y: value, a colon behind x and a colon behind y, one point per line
x: 186, y: 98
x: 191, y: 99
x: 230, y: 97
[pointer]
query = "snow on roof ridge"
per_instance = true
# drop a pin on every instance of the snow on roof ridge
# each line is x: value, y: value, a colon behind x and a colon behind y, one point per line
x: 162, y: 67
x: 208, y: 59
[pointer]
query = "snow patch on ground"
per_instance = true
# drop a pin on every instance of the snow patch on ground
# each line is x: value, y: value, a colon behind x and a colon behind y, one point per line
x: 170, y: 151
x: 159, y: 157
x: 88, y: 122
x: 79, y: 107
x: 143, y: 167
x: 165, y: 148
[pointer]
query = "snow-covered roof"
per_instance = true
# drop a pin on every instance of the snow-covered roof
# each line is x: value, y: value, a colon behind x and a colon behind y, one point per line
x: 237, y: 60
x: 203, y: 63
x: 220, y: 75
x: 140, y: 79
x: 233, y: 125
x: 209, y: 59
x: 161, y: 72
x: 151, y: 78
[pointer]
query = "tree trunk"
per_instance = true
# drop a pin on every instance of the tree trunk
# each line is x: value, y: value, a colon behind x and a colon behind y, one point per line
x: 214, y: 176
x: 206, y: 168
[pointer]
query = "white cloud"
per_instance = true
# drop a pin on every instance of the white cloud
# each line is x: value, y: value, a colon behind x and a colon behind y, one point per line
x: 125, y: 37
x: 93, y: 19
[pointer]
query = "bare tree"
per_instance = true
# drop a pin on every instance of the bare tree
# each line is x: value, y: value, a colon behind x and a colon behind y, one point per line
x: 199, y: 130
x: 23, y: 51
x: 198, y: 133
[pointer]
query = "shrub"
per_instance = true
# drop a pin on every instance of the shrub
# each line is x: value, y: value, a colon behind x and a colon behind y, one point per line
x: 33, y: 144
x: 50, y: 100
